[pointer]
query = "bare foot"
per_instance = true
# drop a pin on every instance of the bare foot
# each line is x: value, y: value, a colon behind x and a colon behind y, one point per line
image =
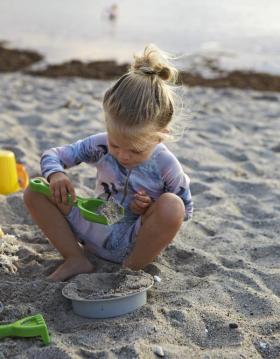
x: 71, y: 267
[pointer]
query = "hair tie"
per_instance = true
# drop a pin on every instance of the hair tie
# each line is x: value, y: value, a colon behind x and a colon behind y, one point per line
x: 147, y: 70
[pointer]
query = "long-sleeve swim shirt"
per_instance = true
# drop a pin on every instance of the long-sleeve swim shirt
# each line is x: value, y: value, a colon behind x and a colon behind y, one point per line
x: 159, y: 174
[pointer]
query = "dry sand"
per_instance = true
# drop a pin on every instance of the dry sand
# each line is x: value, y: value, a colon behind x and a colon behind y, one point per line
x: 220, y: 279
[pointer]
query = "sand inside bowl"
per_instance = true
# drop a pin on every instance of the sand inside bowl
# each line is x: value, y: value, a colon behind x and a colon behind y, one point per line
x: 107, y: 285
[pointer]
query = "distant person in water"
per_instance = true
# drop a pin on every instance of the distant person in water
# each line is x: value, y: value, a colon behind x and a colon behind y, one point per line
x: 133, y: 167
x: 112, y: 12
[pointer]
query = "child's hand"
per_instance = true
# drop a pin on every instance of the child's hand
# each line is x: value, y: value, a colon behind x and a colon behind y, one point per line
x: 60, y: 187
x: 141, y: 203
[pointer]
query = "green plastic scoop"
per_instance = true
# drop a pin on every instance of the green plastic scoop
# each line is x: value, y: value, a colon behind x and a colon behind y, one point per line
x: 92, y: 209
x: 33, y: 326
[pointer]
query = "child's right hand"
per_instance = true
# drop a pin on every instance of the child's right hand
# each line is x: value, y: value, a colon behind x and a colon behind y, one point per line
x: 61, y: 186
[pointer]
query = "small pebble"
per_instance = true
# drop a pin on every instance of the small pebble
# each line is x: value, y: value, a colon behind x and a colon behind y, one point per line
x: 233, y: 325
x: 263, y: 345
x: 159, y: 351
x: 157, y: 278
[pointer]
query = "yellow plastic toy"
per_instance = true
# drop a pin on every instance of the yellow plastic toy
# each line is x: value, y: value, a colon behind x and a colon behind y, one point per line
x: 13, y: 176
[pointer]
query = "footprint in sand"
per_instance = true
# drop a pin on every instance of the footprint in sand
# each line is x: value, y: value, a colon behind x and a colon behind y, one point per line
x: 31, y: 120
x: 267, y: 256
x: 258, y: 190
x: 276, y: 148
x: 234, y: 155
x: 255, y: 211
x: 219, y: 334
x: 208, y: 330
x: 272, y: 282
x: 197, y: 188
x: 198, y: 264
x: 251, y: 303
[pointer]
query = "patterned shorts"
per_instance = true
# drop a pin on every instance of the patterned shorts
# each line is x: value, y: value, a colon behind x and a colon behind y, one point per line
x: 113, y: 243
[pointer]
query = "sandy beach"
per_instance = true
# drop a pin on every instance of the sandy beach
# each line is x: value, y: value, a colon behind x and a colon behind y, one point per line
x: 220, y: 279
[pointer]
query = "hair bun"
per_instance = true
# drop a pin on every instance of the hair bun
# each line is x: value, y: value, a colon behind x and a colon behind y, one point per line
x: 164, y: 73
x: 155, y: 62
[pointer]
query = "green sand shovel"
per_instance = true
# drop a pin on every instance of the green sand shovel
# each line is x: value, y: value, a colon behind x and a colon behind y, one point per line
x: 33, y: 326
x: 92, y: 209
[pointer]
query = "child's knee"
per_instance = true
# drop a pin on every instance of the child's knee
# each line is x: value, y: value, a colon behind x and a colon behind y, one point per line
x: 31, y: 198
x: 28, y: 197
x: 171, y: 208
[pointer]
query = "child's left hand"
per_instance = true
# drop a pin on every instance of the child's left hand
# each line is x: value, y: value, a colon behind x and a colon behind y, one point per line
x: 141, y: 203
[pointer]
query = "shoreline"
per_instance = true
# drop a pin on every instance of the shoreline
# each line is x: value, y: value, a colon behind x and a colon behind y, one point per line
x: 14, y: 60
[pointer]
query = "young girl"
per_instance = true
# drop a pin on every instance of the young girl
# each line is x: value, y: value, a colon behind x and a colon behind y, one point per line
x: 133, y: 167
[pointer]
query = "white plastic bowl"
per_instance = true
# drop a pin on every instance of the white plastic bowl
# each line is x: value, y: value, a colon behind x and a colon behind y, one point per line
x: 108, y: 307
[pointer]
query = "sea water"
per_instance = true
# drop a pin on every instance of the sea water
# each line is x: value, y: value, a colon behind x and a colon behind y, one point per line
x: 241, y: 33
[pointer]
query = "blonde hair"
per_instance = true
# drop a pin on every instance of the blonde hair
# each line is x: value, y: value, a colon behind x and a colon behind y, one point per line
x: 141, y: 103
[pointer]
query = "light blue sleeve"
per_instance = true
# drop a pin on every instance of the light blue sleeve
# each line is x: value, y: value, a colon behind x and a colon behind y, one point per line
x: 176, y: 181
x: 89, y: 150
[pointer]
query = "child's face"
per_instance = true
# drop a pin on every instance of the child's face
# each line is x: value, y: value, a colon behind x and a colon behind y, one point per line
x: 126, y: 154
